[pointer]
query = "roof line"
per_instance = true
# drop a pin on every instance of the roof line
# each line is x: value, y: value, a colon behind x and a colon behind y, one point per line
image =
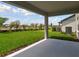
x: 66, y: 18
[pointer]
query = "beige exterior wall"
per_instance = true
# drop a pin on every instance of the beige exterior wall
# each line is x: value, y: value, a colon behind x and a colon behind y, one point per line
x: 71, y: 22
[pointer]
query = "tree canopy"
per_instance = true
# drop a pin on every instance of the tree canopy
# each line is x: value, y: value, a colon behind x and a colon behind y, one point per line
x: 2, y: 20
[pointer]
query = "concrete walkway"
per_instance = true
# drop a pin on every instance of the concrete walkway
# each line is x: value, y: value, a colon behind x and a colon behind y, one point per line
x: 52, y: 48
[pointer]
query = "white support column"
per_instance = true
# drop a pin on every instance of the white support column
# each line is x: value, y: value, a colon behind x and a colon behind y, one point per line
x: 77, y: 20
x: 46, y: 27
x: 77, y: 32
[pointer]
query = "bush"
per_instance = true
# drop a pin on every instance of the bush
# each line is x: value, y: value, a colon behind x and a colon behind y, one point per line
x: 62, y: 36
x: 63, y: 33
x: 73, y: 34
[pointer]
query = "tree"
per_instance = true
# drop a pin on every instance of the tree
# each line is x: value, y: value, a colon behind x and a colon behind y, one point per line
x: 32, y: 26
x: 54, y: 28
x: 51, y: 26
x: 17, y: 23
x: 24, y: 27
x: 40, y: 26
x: 2, y: 20
x: 35, y: 26
x: 14, y: 24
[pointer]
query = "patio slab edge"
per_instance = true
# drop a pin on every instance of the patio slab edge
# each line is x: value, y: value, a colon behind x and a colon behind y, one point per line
x: 19, y: 51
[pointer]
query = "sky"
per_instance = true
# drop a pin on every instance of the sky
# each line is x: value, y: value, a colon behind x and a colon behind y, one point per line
x: 14, y: 13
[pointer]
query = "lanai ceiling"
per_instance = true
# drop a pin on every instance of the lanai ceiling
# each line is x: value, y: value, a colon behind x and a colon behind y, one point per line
x: 50, y: 8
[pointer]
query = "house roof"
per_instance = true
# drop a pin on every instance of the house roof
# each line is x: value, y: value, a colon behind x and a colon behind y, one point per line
x: 67, y: 18
x: 50, y: 8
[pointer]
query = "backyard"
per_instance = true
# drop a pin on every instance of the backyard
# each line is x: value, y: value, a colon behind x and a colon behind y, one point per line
x: 13, y: 41
x: 15, y: 36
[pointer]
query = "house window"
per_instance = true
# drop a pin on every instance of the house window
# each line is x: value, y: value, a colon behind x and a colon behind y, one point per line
x: 68, y: 30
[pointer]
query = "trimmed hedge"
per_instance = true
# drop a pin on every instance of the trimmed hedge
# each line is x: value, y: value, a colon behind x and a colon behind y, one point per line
x: 62, y: 36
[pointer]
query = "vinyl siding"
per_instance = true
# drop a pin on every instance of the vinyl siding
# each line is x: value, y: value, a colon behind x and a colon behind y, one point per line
x: 71, y: 22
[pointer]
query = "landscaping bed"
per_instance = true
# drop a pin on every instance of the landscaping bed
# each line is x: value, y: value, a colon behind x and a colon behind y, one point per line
x: 62, y: 36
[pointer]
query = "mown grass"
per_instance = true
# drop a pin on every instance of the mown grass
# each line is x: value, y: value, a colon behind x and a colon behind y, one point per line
x: 11, y: 40
x: 62, y: 36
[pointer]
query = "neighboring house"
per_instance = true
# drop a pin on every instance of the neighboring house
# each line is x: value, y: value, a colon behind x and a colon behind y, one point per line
x: 68, y: 25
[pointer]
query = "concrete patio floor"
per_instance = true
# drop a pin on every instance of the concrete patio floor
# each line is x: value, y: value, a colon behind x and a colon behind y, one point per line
x: 52, y: 48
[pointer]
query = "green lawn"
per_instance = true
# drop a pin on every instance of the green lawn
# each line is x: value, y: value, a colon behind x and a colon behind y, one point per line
x: 11, y: 40
x: 62, y: 36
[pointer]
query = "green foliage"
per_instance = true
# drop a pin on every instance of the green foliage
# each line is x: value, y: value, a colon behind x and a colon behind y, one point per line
x: 2, y: 20
x: 11, y: 40
x: 40, y: 27
x: 36, y: 25
x: 32, y: 26
x: 62, y: 36
x: 14, y: 24
x: 51, y: 25
x: 24, y: 27
x: 53, y: 28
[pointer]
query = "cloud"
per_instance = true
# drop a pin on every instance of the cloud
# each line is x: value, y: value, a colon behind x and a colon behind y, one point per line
x: 4, y: 7
x: 25, y: 12
x: 14, y: 9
